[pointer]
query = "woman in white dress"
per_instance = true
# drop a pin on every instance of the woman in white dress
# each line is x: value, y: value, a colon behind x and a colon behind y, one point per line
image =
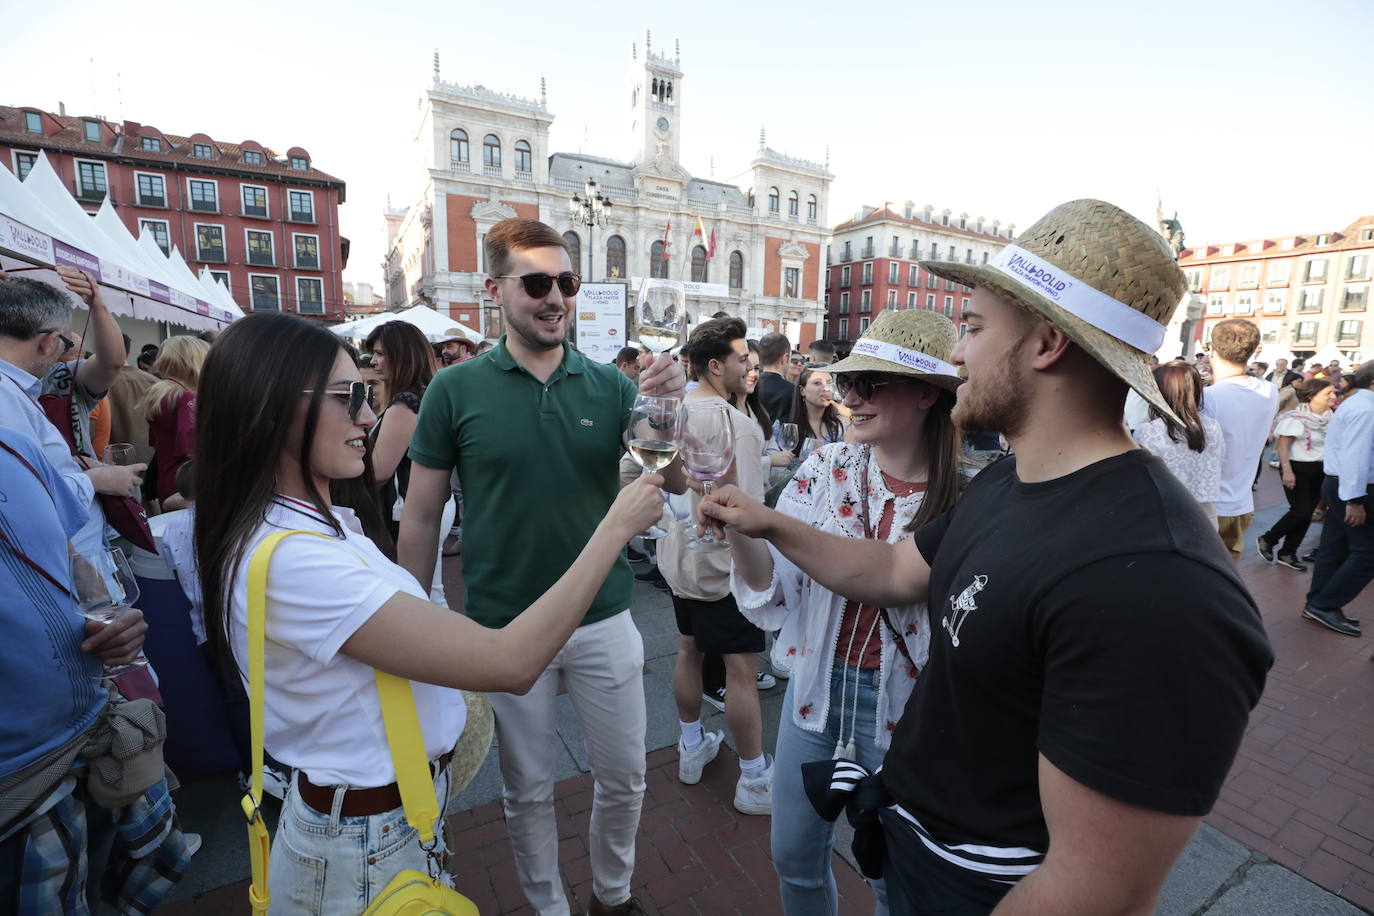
x: 1193, y: 450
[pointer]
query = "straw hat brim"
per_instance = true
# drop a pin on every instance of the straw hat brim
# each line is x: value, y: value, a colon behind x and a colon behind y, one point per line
x: 862, y: 362
x: 1124, y: 361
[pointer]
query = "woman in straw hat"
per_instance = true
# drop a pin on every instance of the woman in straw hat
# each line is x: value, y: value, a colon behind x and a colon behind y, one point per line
x: 1093, y: 655
x: 853, y: 665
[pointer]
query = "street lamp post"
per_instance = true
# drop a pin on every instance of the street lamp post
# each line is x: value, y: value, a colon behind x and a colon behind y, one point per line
x: 589, y: 211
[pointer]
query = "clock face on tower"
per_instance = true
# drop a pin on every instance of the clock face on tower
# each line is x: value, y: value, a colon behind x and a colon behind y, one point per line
x: 663, y: 124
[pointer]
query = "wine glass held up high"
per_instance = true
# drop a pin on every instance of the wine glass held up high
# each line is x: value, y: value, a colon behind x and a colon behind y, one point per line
x: 661, y: 314
x: 653, y: 438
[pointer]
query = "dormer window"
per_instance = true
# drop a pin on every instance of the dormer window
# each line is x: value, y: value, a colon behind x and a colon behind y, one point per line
x: 150, y: 144
x: 1323, y: 239
x: 33, y: 122
x: 252, y: 157
x: 300, y: 163
x: 92, y: 130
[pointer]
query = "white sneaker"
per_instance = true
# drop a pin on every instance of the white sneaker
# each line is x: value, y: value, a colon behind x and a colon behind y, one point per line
x: 755, y: 796
x: 781, y: 671
x: 193, y: 843
x: 766, y: 681
x: 690, y: 763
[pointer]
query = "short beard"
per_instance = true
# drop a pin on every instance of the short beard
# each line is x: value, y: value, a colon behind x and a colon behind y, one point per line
x: 999, y: 402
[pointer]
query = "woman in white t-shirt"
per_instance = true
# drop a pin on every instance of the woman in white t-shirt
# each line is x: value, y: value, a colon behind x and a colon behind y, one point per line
x: 1301, y: 435
x: 282, y: 444
x: 1193, y: 450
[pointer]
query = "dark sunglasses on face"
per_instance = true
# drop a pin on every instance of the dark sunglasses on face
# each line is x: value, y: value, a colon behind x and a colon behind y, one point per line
x: 864, y: 385
x: 358, y: 394
x: 538, y: 285
x: 67, y: 342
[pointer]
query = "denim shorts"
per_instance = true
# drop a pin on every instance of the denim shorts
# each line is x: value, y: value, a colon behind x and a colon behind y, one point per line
x: 328, y: 864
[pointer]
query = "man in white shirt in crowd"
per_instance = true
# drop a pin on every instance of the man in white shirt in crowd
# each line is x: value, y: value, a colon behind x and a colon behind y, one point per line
x: 1345, y: 558
x: 1244, y: 406
x: 35, y: 334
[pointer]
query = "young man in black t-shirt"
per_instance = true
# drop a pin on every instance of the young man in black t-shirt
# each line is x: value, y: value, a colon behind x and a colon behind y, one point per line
x: 1094, y: 657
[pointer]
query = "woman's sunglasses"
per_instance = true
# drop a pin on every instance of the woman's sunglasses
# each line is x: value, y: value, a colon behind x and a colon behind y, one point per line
x: 358, y: 394
x: 863, y: 385
x: 538, y: 285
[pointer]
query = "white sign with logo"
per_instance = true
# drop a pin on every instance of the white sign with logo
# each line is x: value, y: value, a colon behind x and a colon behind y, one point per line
x: 601, y: 310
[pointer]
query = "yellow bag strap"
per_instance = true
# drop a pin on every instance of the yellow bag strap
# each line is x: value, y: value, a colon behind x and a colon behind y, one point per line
x: 404, y: 736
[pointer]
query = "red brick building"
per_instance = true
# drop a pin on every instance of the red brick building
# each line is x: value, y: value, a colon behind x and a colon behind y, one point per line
x: 872, y: 264
x: 267, y: 223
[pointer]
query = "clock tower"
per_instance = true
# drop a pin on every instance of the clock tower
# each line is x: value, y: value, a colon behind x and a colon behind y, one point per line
x: 655, y: 103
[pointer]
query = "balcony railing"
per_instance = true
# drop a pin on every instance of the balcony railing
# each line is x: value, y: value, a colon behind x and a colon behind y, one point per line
x: 894, y: 251
x: 302, y: 216
x: 915, y: 253
x: 204, y: 206
x: 867, y: 252
x: 307, y: 262
x: 459, y: 165
x: 524, y: 175
x: 210, y: 254
x: 847, y: 256
x: 252, y: 210
x: 261, y: 258
x: 491, y: 171
x: 151, y: 200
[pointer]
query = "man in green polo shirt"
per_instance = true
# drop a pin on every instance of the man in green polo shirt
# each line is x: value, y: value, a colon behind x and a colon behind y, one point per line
x: 535, y: 432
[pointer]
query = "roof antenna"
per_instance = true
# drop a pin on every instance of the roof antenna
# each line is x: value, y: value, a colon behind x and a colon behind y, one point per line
x: 119, y: 93
x: 436, y: 65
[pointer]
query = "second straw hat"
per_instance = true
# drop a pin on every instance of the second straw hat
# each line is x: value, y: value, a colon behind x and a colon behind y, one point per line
x: 1098, y: 274
x: 906, y: 342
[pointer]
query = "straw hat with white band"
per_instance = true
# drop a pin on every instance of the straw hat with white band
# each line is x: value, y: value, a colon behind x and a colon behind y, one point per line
x: 1098, y: 274
x: 905, y: 342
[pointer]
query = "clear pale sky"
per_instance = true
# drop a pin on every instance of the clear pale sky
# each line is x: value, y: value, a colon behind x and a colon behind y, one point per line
x: 1250, y: 118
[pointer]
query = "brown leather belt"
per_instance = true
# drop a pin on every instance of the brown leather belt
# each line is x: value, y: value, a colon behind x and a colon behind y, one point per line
x: 358, y: 802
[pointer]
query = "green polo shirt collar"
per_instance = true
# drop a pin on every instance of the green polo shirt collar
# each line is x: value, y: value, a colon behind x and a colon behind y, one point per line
x: 573, y: 363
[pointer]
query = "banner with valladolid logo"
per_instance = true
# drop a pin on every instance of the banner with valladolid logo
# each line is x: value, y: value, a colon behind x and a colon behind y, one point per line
x: 1079, y: 299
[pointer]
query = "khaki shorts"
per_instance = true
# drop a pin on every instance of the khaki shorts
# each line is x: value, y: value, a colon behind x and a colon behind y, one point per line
x: 1232, y: 529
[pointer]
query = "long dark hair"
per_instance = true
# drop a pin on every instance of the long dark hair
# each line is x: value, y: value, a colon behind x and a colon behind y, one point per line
x: 831, y: 423
x: 753, y: 404
x: 248, y: 392
x: 943, y: 444
x: 1181, y: 386
x: 410, y: 362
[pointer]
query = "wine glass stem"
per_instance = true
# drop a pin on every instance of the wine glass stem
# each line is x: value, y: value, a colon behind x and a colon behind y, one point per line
x: 709, y: 536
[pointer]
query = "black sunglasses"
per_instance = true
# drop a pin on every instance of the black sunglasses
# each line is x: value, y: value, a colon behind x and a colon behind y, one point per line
x: 539, y: 284
x: 358, y: 394
x: 67, y: 342
x: 863, y: 384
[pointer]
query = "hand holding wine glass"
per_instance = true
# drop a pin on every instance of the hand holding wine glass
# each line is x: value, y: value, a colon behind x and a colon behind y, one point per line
x: 653, y: 438
x: 660, y: 318
x: 104, y: 587
x: 708, y: 450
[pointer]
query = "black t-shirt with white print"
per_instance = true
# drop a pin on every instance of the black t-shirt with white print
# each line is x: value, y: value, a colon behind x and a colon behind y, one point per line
x: 1096, y: 619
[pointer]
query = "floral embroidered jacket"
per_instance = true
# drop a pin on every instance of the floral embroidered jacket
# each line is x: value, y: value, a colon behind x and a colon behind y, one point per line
x: 825, y: 493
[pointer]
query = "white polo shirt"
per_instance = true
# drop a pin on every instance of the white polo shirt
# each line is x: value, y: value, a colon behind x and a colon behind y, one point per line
x: 323, y: 715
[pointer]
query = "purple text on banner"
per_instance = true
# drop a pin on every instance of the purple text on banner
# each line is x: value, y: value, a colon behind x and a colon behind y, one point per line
x: 158, y: 291
x: 75, y: 257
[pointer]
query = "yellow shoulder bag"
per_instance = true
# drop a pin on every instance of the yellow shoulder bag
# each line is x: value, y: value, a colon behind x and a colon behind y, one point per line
x: 410, y: 893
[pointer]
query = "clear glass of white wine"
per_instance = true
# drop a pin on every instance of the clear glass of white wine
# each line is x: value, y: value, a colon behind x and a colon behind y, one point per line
x: 653, y: 438
x: 661, y: 314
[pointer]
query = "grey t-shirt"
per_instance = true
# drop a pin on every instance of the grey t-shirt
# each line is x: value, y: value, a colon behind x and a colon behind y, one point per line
x: 62, y: 380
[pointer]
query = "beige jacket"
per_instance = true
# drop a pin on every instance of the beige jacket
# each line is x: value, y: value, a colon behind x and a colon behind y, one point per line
x: 705, y: 575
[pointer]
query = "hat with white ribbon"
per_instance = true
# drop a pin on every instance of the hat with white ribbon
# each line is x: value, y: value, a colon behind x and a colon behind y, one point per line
x: 905, y: 342
x: 1098, y: 274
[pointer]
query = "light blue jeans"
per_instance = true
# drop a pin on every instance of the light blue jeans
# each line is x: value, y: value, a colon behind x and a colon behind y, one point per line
x: 802, y: 843
x: 328, y: 864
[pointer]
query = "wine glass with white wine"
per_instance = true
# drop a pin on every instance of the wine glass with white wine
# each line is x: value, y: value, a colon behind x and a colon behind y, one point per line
x: 653, y: 439
x: 661, y: 314
x: 104, y: 587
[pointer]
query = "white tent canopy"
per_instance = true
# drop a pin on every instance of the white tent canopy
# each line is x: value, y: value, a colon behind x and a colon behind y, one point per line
x: 436, y: 327
x: 42, y: 224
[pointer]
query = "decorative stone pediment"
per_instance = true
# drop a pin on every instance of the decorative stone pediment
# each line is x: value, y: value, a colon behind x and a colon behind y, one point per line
x: 661, y: 166
x: 793, y: 250
x: 492, y: 211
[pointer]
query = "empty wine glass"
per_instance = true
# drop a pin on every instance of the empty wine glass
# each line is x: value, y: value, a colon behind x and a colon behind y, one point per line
x: 661, y: 314
x: 808, y: 446
x: 653, y: 438
x: 787, y: 437
x: 120, y: 453
x: 104, y: 587
x: 707, y: 437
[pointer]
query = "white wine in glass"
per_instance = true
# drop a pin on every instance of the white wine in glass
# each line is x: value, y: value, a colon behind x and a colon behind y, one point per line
x: 104, y: 587
x: 653, y: 438
x: 661, y: 314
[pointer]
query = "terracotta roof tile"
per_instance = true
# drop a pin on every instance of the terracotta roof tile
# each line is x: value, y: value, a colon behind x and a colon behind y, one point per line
x: 882, y: 214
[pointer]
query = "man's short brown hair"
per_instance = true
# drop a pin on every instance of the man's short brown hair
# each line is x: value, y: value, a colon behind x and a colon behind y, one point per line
x: 518, y: 234
x: 712, y: 340
x: 1235, y: 340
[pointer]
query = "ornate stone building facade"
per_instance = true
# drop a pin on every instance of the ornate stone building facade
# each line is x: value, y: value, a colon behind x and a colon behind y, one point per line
x: 485, y: 156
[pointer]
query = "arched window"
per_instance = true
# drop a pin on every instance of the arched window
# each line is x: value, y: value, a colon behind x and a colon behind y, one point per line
x: 793, y: 204
x: 491, y: 151
x: 524, y: 162
x: 658, y: 260
x: 458, y: 148
x: 615, y: 257
x: 811, y: 207
x: 574, y: 250
x: 736, y: 270
x: 698, y: 264
x: 772, y: 200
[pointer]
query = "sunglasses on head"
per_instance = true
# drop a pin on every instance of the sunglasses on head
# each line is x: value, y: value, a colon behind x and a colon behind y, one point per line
x: 358, y: 394
x: 539, y: 284
x: 864, y: 385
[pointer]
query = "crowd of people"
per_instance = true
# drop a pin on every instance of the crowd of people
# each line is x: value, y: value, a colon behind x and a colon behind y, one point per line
x: 1017, y: 648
